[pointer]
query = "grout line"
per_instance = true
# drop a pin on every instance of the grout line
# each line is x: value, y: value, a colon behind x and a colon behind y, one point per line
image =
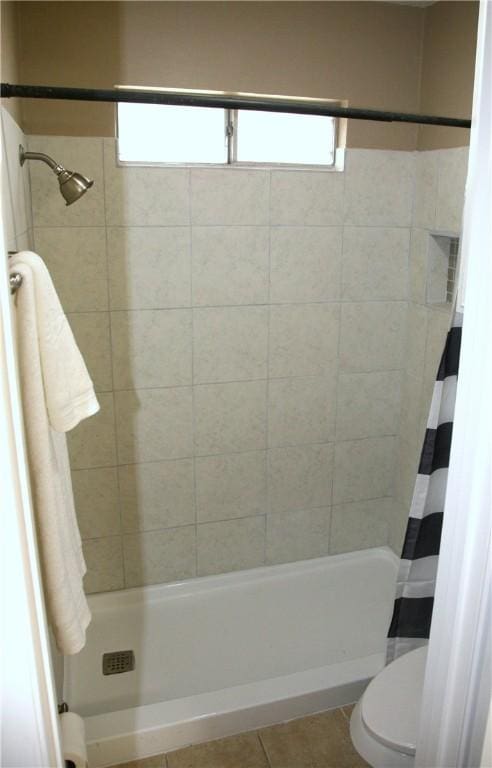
x: 258, y: 734
x: 274, y: 304
x: 269, y: 318
x: 286, y: 446
x: 193, y: 401
x: 140, y: 531
x: 110, y: 326
x: 298, y: 377
x: 226, y: 225
x: 283, y: 447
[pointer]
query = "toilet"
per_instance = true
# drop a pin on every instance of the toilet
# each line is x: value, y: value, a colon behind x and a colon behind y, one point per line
x: 384, y: 723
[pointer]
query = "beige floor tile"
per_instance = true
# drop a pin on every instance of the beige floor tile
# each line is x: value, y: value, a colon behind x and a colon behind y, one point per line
x: 320, y: 741
x: 243, y: 751
x: 157, y: 761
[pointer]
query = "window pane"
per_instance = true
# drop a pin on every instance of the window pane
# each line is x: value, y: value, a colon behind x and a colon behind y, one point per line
x: 155, y: 133
x: 272, y: 137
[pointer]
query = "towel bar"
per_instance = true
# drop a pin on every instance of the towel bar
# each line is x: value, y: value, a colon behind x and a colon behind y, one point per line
x: 15, y: 279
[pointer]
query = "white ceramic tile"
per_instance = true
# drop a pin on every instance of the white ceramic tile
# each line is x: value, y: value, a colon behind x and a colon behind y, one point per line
x: 437, y: 270
x: 75, y: 153
x: 156, y: 495
x: 307, y: 197
x: 397, y: 527
x: 231, y: 545
x: 368, y: 404
x: 301, y: 410
x: 25, y: 241
x: 453, y: 164
x: 372, y: 336
x: 410, y: 407
x: 92, y: 442
x: 159, y: 556
x: 407, y: 463
x: 7, y: 202
x: 360, y: 525
x: 153, y: 424
x: 91, y: 331
x: 138, y: 196
x: 419, y: 243
x: 416, y: 339
x: 149, y: 267
x: 296, y: 535
x: 18, y: 177
x: 375, y: 263
x: 230, y: 417
x: 104, y: 562
x: 379, y: 188
x: 300, y: 477
x: 230, y: 196
x: 230, y: 344
x: 76, y: 259
x: 438, y: 323
x: 305, y: 264
x: 425, y: 200
x: 95, y: 494
x: 230, y: 265
x: 364, y: 469
x: 151, y: 348
x: 303, y: 339
x: 230, y: 486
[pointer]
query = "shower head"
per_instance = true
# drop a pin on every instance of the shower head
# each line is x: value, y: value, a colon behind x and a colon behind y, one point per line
x: 72, y: 184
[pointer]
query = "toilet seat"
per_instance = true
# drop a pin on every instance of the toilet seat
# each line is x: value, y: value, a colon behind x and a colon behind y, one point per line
x: 384, y: 724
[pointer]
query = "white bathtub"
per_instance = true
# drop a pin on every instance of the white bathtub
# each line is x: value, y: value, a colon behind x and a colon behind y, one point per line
x: 224, y: 654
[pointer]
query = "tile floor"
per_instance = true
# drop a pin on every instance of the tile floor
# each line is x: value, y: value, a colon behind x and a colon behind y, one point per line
x: 318, y: 741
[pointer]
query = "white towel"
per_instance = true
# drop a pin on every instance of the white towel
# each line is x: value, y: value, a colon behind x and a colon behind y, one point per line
x: 56, y: 394
x: 68, y: 388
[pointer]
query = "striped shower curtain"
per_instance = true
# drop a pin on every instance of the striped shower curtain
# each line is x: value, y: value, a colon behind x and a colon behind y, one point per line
x: 412, y: 613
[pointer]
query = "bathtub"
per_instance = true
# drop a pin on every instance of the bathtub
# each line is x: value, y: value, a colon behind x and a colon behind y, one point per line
x: 223, y: 654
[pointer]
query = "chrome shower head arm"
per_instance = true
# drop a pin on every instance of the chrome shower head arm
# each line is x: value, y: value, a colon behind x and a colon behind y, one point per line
x: 72, y: 184
x: 23, y: 156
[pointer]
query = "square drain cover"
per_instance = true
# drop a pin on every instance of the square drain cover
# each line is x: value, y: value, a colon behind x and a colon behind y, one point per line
x: 116, y: 662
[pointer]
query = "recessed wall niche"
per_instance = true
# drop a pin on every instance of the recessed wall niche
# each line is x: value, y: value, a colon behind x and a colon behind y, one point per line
x: 442, y: 268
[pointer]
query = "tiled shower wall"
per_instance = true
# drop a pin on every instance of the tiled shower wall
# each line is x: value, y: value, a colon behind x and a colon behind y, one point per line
x: 246, y: 333
x: 16, y: 193
x: 439, y: 196
x: 220, y: 312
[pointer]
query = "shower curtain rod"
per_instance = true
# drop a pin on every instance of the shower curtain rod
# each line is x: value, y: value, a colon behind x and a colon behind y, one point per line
x: 223, y: 101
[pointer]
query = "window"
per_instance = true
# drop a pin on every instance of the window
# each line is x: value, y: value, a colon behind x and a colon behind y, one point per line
x: 154, y: 133
x: 279, y: 137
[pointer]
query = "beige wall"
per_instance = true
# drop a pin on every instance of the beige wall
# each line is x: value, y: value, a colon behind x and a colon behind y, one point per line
x: 368, y: 53
x: 380, y: 55
x: 448, y: 65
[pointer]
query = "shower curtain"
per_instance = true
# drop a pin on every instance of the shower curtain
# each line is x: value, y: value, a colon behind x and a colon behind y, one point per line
x: 412, y: 613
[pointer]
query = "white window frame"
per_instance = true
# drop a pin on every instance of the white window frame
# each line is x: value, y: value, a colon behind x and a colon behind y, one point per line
x: 230, y: 136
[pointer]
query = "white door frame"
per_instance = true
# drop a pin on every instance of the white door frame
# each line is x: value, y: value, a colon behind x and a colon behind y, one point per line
x: 30, y: 728
x: 457, y: 688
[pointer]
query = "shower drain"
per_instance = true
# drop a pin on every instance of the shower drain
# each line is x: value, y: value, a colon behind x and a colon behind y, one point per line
x: 116, y: 662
